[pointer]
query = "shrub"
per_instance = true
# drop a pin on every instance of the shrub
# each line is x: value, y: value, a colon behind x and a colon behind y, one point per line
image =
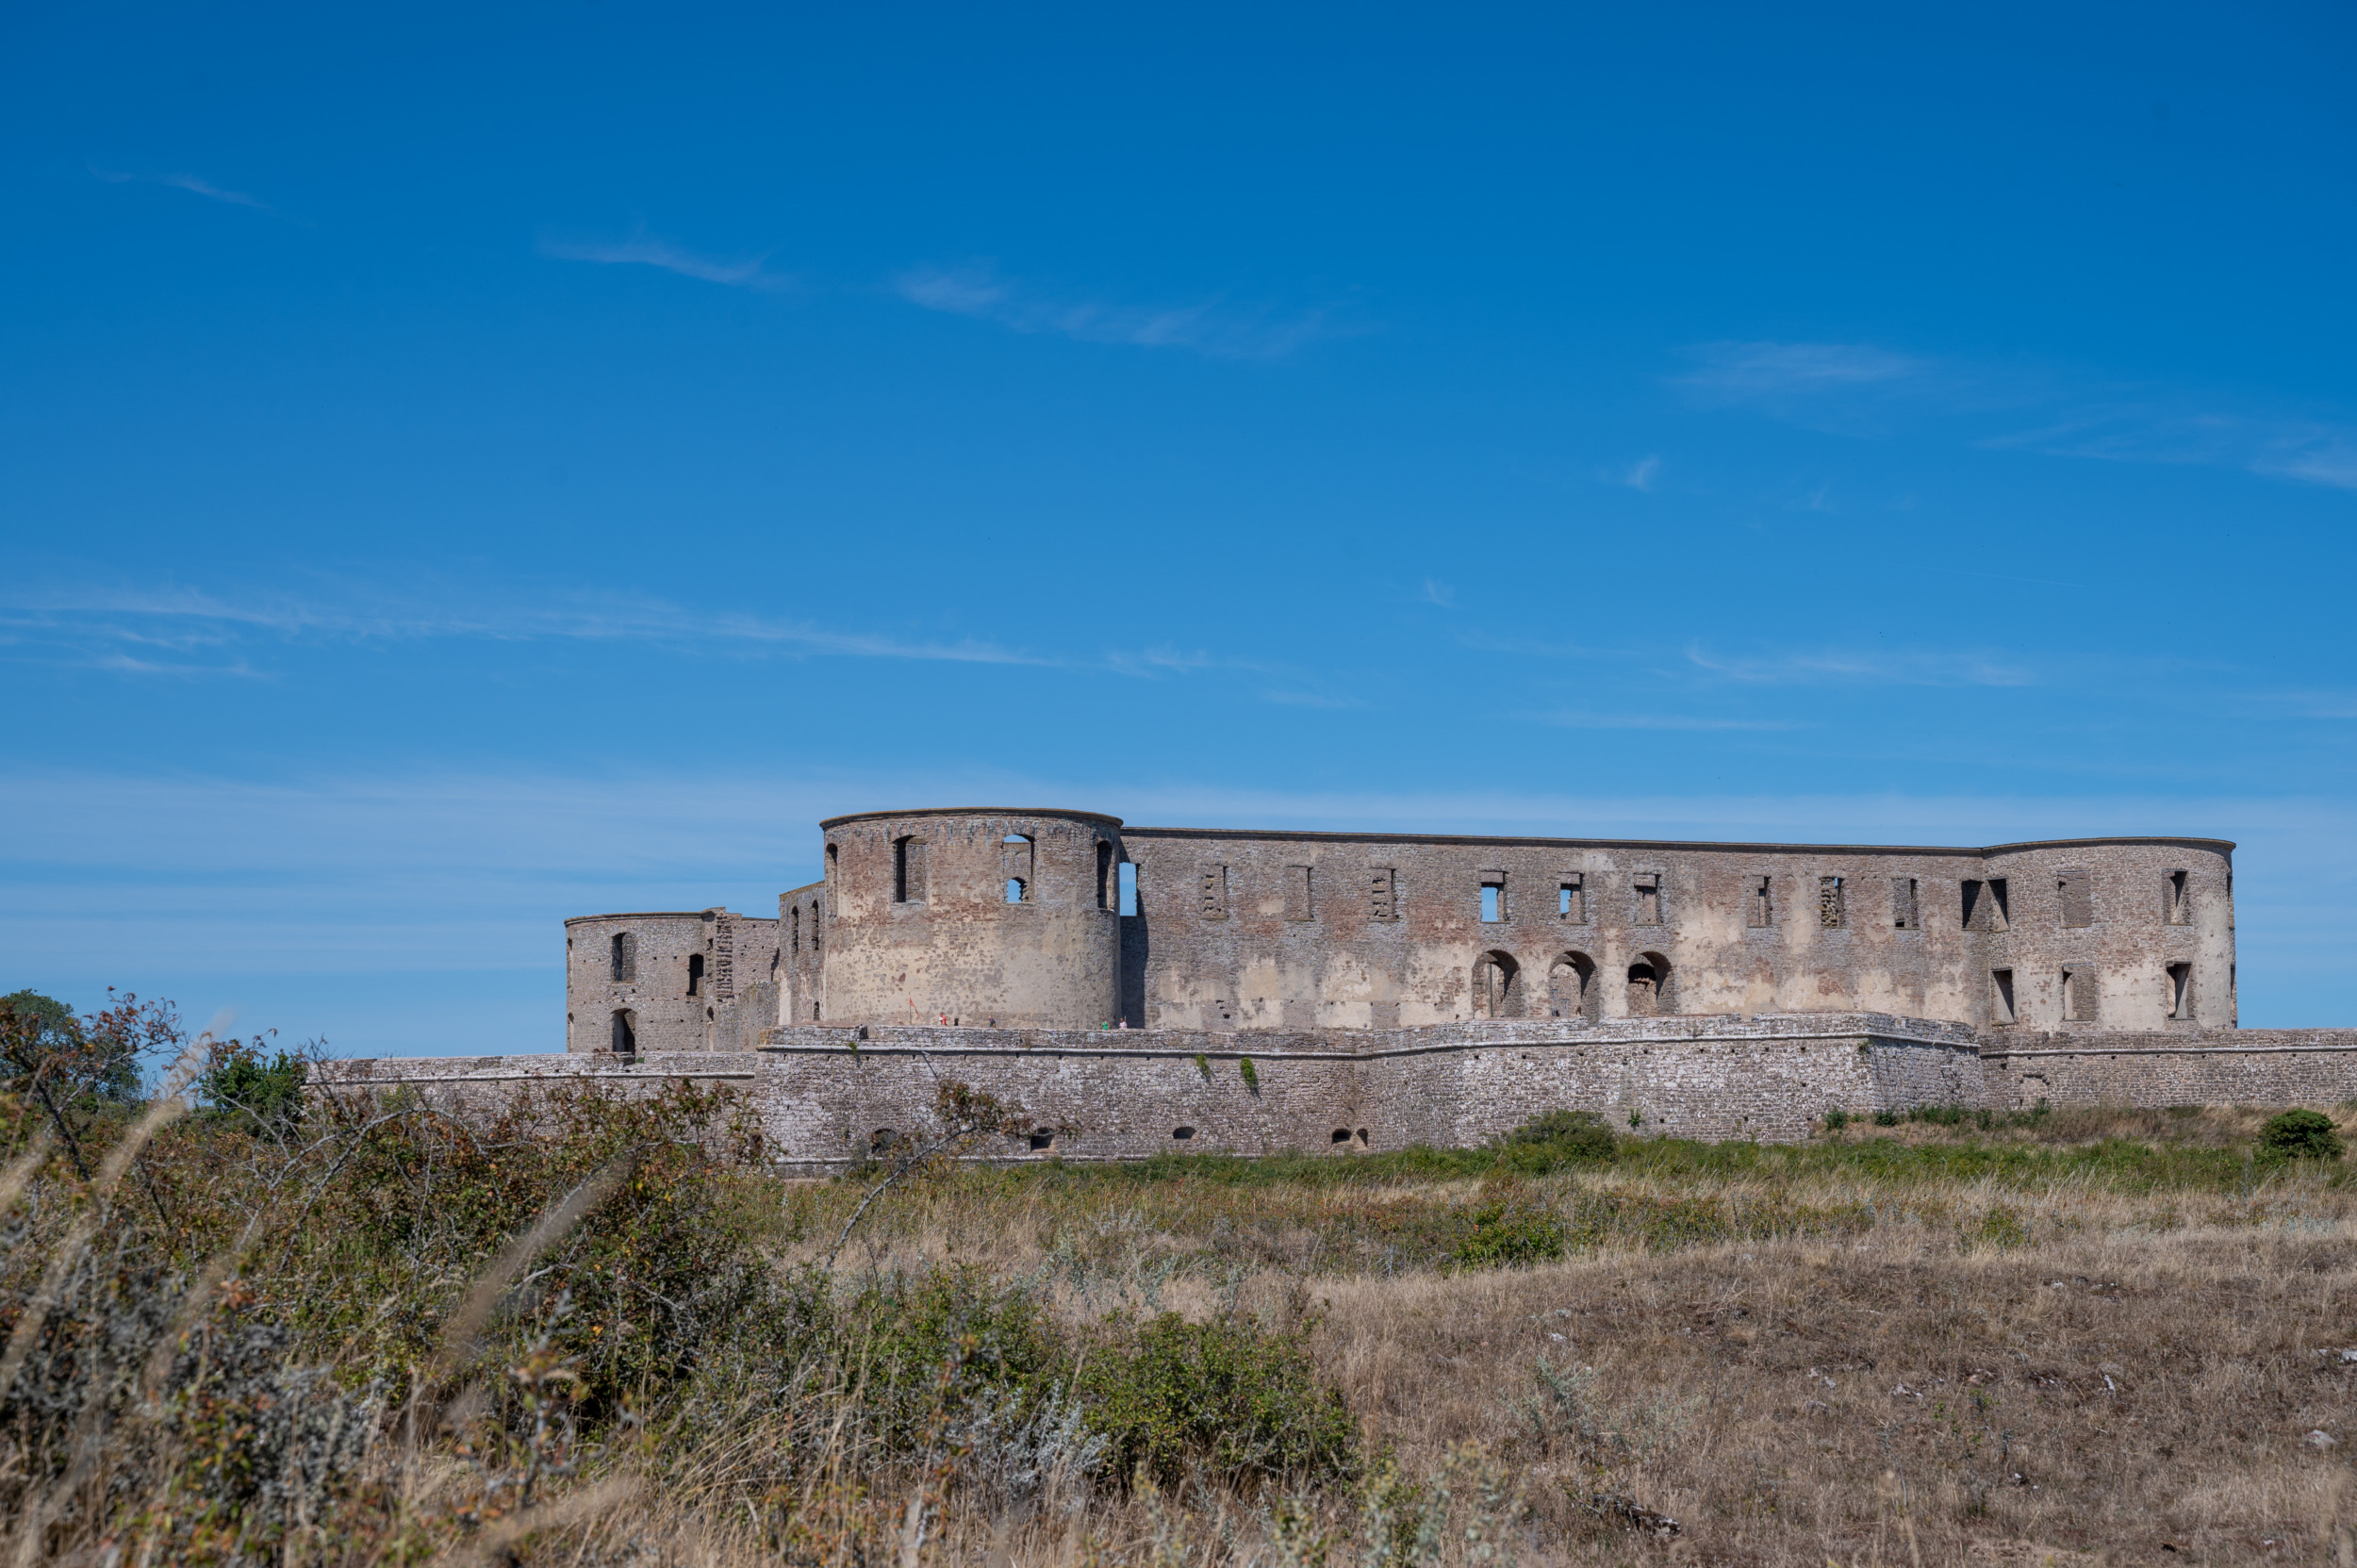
x: 2300, y: 1135
x: 1510, y: 1232
x: 1251, y: 1074
x: 238, y: 1084
x: 1557, y: 1138
x: 1227, y: 1397
x: 1837, y: 1120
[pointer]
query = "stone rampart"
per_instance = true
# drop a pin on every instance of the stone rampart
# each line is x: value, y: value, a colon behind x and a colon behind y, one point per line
x: 2227, y: 1067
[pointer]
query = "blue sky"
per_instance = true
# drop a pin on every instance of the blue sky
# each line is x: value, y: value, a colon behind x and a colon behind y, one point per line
x: 464, y: 468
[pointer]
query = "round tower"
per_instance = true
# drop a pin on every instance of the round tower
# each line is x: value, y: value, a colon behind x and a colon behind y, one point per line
x: 977, y: 915
x: 2109, y: 933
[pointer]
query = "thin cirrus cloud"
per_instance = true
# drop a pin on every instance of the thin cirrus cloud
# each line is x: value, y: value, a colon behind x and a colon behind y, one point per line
x: 1863, y: 389
x: 127, y: 631
x: 188, y: 183
x: 644, y: 250
x: 1860, y: 667
x: 1215, y: 328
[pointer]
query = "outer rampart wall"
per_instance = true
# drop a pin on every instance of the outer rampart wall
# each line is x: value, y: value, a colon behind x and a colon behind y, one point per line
x: 825, y: 1094
x: 2246, y: 1066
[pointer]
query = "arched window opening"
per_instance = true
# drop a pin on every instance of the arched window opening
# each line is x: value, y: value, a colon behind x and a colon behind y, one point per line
x: 835, y: 861
x: 1497, y: 986
x: 1649, y: 994
x: 695, y: 974
x: 625, y: 1032
x: 1016, y: 853
x: 1571, y: 986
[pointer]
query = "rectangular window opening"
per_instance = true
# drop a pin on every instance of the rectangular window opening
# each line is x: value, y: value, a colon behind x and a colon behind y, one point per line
x: 1647, y: 888
x: 695, y: 974
x: 1297, y: 905
x: 907, y: 871
x: 1492, y: 903
x: 1902, y: 903
x: 1129, y: 887
x: 1104, y: 874
x: 2001, y: 1004
x: 2180, y: 997
x: 2080, y: 1001
x: 1571, y: 899
x: 1829, y: 901
x: 1760, y: 896
x: 2178, y: 906
x: 2074, y: 899
x: 1382, y: 893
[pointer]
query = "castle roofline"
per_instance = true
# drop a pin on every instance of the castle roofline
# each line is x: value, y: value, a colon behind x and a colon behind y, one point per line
x: 670, y: 914
x: 973, y: 810
x: 1290, y: 835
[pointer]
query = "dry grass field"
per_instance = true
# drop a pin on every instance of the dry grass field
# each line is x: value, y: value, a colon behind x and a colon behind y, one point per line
x: 342, y: 1331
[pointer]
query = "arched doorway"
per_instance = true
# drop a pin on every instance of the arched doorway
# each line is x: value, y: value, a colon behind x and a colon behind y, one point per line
x: 1571, y: 986
x: 1649, y: 989
x: 1497, y: 986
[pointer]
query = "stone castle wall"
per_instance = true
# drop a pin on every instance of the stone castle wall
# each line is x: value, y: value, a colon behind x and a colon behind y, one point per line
x: 707, y: 981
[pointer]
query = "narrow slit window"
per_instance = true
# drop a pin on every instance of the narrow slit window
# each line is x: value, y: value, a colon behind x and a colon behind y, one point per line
x: 1761, y: 897
x: 907, y: 871
x: 1297, y: 905
x: 1129, y: 887
x: 2177, y: 907
x: 1104, y: 874
x: 695, y: 974
x: 1902, y: 903
x: 1210, y: 899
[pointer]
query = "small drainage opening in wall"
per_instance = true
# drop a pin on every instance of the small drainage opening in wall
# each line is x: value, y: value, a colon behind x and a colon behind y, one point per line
x: 1182, y: 1133
x: 1362, y: 1134
x: 1341, y: 1134
x: 1044, y: 1138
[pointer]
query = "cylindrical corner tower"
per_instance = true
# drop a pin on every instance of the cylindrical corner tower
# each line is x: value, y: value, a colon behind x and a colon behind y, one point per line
x: 978, y: 915
x: 2110, y: 934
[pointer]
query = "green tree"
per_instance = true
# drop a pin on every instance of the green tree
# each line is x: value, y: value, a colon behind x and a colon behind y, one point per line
x: 46, y: 1051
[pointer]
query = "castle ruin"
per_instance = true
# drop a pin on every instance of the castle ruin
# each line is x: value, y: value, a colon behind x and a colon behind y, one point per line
x: 1139, y: 989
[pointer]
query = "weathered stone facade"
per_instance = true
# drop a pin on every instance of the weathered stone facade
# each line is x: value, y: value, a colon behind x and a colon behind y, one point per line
x: 1390, y: 989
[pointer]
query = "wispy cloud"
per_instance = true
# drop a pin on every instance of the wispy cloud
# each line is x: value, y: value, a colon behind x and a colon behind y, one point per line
x: 189, y: 183
x: 1437, y: 592
x: 1638, y: 476
x: 1859, y: 389
x: 103, y: 622
x: 1217, y: 327
x: 1863, y: 667
x: 645, y: 250
x: 1578, y: 719
x: 1312, y: 700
